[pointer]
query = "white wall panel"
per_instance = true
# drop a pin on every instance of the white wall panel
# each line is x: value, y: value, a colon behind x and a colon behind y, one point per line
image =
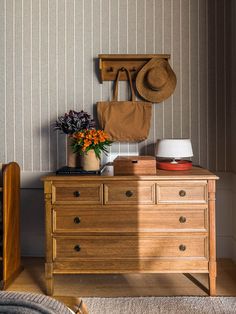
x: 3, y: 80
x: 18, y: 61
x: 177, y: 64
x: 168, y: 42
x: 159, y: 48
x: 185, y: 69
x: 10, y: 83
x: 194, y: 77
x: 45, y: 87
x: 52, y: 59
x: 202, y: 81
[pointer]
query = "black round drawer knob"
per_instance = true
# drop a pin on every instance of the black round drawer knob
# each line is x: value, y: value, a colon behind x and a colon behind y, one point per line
x: 77, y: 220
x: 182, y: 219
x: 182, y: 193
x: 77, y: 248
x: 182, y: 247
x: 129, y: 193
x: 77, y: 193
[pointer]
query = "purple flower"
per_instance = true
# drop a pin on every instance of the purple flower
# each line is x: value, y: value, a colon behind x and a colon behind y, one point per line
x: 74, y: 121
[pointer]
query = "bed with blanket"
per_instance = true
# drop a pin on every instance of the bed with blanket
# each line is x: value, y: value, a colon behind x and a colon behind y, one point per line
x: 32, y: 303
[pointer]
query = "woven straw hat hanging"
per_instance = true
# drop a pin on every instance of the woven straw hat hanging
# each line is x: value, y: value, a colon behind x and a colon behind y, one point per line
x: 156, y: 81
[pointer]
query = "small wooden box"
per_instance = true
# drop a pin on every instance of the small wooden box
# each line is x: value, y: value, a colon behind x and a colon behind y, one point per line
x: 134, y: 165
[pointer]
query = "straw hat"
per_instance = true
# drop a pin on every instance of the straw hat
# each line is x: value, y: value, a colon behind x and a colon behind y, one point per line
x: 156, y: 80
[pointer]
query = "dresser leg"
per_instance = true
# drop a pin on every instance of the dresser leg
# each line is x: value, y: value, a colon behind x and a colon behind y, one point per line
x: 49, y: 278
x: 49, y: 286
x: 212, y: 278
x: 212, y: 285
x: 212, y: 237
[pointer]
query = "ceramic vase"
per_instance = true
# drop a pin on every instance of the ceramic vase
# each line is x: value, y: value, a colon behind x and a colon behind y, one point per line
x: 90, y: 162
x: 72, y: 158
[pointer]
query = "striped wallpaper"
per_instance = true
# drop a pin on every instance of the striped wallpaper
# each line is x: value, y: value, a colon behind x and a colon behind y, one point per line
x: 48, y: 65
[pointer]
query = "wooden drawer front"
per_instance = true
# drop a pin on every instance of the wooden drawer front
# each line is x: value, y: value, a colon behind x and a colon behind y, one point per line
x: 182, y: 192
x: 76, y: 193
x: 130, y: 193
x: 142, y: 265
x: 112, y: 247
x: 87, y: 220
x: 171, y: 220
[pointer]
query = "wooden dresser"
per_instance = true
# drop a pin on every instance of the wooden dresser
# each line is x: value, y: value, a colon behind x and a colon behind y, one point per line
x: 161, y: 223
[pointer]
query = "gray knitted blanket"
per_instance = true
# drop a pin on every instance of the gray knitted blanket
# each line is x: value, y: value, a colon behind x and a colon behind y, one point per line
x: 30, y: 303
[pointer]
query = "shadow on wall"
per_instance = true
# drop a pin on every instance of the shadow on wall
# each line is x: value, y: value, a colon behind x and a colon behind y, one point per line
x: 32, y: 222
x: 148, y: 149
x: 53, y: 153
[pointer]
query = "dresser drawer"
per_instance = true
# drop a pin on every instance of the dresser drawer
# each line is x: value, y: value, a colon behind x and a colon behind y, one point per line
x: 182, y: 192
x: 67, y: 220
x: 76, y: 193
x: 113, y: 247
x: 142, y: 192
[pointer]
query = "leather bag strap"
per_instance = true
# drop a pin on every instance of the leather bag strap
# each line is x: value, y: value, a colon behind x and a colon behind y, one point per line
x: 115, y: 92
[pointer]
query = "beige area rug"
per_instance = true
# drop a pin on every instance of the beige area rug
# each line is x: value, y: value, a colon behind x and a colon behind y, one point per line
x: 162, y: 305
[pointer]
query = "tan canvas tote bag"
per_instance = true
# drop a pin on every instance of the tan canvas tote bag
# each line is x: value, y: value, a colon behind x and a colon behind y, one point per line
x: 125, y: 121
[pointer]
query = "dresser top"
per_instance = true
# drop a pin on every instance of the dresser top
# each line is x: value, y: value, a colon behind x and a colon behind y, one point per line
x: 194, y: 174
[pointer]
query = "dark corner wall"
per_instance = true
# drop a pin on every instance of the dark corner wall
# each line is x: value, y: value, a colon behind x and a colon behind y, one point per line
x: 232, y: 68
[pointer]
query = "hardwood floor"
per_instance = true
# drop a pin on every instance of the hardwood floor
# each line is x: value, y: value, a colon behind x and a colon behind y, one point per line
x: 32, y: 279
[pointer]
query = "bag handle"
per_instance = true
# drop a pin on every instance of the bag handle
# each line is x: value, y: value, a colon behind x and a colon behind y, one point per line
x: 115, y: 93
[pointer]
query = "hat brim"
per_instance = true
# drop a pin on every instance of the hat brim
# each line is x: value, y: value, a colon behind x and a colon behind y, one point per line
x: 146, y: 92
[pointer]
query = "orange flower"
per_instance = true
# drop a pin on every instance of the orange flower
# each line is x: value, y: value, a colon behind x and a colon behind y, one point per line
x: 87, y: 143
x: 88, y: 139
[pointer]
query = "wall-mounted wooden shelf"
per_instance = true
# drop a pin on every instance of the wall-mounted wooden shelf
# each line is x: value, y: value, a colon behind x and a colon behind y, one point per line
x: 110, y: 63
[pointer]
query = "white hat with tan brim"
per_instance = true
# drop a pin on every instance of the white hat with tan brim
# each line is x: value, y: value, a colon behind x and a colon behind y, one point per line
x: 156, y: 80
